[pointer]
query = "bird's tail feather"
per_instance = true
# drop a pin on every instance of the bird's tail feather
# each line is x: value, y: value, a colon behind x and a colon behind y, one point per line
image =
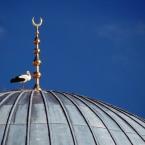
x: 16, y: 79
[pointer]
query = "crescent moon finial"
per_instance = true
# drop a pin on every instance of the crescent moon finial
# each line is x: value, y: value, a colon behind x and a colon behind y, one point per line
x: 37, y: 24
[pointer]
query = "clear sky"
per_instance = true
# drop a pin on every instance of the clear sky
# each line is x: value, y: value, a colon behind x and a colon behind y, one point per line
x: 91, y: 47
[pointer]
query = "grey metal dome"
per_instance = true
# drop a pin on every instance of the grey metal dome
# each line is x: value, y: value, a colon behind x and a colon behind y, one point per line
x: 28, y: 117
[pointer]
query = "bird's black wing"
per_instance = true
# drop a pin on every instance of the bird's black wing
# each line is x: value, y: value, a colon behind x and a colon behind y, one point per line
x: 17, y: 79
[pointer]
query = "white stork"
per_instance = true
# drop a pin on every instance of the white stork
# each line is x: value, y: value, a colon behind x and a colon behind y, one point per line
x: 22, y: 78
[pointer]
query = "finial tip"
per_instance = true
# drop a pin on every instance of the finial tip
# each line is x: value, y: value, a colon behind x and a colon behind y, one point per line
x: 37, y: 24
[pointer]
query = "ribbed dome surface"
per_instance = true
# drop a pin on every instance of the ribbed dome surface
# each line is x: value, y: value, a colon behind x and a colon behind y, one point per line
x: 54, y: 118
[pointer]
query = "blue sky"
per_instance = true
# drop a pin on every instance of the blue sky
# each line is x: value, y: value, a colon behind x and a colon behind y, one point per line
x: 90, y: 47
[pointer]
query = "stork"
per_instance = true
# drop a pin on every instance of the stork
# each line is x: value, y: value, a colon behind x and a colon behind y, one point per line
x: 22, y: 78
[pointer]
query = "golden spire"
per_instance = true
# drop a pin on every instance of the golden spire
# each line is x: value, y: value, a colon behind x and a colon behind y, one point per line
x: 37, y: 60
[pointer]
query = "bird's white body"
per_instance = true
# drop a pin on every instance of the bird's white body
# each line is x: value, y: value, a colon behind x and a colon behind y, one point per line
x: 26, y: 76
x: 22, y: 78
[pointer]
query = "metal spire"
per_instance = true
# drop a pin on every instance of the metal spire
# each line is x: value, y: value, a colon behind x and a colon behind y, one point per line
x: 37, y: 60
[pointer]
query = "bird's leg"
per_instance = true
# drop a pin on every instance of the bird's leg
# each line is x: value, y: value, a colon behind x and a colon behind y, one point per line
x: 23, y: 86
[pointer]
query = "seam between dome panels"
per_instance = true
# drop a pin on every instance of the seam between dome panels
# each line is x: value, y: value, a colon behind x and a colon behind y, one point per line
x: 6, y: 98
x: 6, y: 130
x: 87, y: 122
x: 117, y: 108
x: 46, y: 112
x: 67, y: 117
x: 27, y: 140
x: 124, y: 113
x: 8, y: 92
x: 123, y: 120
x: 107, y: 115
x: 98, y: 117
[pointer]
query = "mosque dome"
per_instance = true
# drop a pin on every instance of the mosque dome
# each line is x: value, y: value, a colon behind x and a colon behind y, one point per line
x: 30, y: 117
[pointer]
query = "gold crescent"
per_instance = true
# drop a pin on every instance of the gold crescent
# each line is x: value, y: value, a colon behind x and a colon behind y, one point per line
x: 37, y: 24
